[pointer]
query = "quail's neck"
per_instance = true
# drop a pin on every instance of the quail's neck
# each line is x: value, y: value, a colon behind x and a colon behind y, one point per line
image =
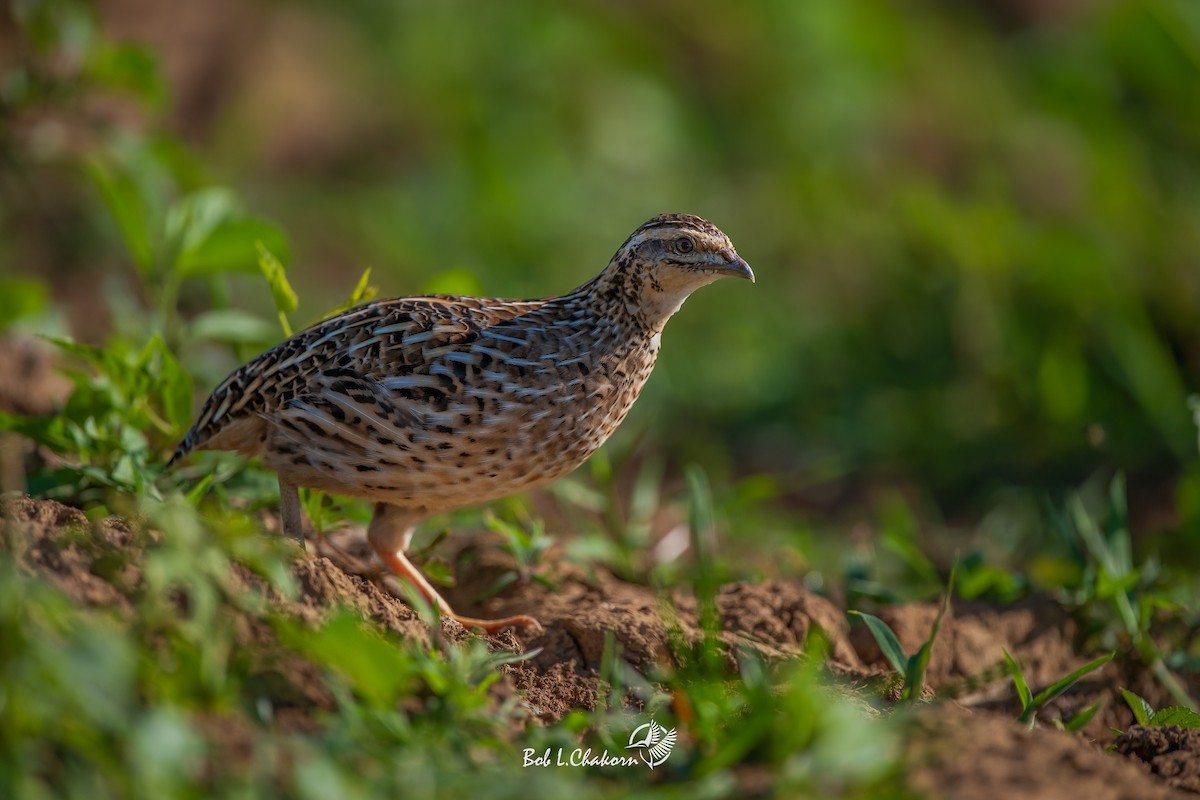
x: 617, y: 297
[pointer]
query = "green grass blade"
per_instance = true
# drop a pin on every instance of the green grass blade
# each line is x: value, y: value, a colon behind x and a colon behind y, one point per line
x: 914, y: 672
x: 1090, y: 533
x: 1081, y: 719
x: 1014, y: 669
x: 1062, y: 684
x: 886, y: 640
x: 914, y: 675
x: 200, y: 489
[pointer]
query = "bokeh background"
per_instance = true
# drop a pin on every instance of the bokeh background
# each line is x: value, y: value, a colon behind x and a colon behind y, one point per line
x: 975, y: 225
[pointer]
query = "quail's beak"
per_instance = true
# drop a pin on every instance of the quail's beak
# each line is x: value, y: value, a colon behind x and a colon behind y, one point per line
x: 736, y: 267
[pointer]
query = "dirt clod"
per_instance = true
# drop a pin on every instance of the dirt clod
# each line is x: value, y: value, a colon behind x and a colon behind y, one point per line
x: 1173, y: 753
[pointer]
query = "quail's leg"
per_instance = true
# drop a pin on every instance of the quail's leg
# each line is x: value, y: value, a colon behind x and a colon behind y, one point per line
x: 293, y: 526
x: 289, y: 511
x: 390, y: 531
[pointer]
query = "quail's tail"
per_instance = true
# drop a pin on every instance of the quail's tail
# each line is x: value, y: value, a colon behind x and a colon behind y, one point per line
x: 182, y: 449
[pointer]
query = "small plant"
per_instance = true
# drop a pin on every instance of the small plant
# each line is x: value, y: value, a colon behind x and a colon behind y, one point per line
x: 1116, y: 594
x: 1145, y: 714
x: 613, y: 532
x: 127, y: 403
x: 382, y: 670
x: 911, y: 668
x: 1031, y: 704
x: 526, y: 543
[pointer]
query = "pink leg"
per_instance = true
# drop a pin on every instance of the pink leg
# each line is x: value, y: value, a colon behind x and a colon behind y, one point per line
x: 389, y: 534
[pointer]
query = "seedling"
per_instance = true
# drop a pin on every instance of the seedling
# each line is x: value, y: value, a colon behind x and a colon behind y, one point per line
x: 527, y: 544
x: 911, y: 668
x: 1112, y: 580
x: 1031, y: 704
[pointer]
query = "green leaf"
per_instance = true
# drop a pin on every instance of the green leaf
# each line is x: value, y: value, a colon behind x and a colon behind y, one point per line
x: 900, y: 537
x: 21, y: 297
x: 230, y: 247
x: 438, y: 571
x: 281, y: 291
x: 197, y: 492
x: 129, y: 67
x: 124, y: 200
x: 1081, y: 719
x: 1062, y: 684
x: 99, y: 357
x: 914, y: 675
x: 362, y: 293
x: 1175, y: 715
x: 175, y: 386
x: 1143, y: 712
x: 1014, y: 669
x: 376, y: 668
x: 232, y: 326
x: 887, y: 641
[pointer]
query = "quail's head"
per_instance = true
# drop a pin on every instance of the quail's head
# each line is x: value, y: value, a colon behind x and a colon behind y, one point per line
x: 668, y: 258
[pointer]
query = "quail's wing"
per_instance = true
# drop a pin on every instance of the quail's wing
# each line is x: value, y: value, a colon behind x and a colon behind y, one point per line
x: 356, y: 364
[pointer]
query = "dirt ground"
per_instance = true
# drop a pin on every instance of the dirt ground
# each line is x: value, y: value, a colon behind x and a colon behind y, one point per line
x: 973, y: 746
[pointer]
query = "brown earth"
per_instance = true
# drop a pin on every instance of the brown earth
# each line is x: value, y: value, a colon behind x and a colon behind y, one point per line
x: 972, y: 746
x: 968, y: 756
x: 1173, y: 753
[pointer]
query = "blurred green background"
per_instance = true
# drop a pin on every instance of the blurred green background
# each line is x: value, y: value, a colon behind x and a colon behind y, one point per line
x: 975, y: 225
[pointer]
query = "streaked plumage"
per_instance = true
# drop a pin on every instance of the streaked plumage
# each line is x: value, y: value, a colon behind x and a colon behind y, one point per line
x: 424, y: 404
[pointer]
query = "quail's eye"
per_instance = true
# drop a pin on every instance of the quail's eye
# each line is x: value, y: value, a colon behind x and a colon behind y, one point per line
x: 684, y: 244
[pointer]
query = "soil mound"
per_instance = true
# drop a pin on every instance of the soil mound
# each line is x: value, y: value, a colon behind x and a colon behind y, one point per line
x: 965, y: 754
